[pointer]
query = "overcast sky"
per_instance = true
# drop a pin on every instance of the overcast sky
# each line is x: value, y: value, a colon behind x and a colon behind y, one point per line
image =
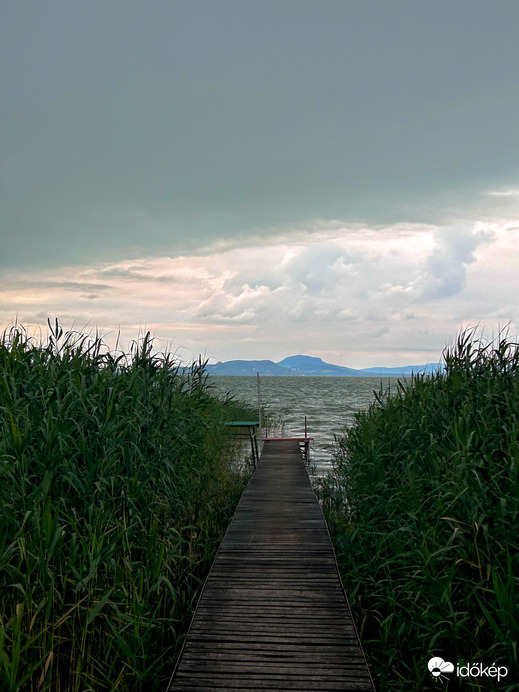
x: 255, y: 179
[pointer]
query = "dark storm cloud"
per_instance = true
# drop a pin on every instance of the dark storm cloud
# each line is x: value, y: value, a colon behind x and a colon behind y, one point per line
x: 132, y: 127
x: 65, y: 285
x: 144, y: 275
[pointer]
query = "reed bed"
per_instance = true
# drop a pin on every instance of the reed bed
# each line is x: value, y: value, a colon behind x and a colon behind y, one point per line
x: 117, y: 481
x: 423, y: 507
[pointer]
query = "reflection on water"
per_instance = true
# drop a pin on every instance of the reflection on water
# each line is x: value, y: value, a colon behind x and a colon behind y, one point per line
x: 329, y: 404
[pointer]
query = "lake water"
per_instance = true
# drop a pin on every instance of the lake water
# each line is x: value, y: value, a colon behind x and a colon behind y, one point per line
x: 329, y: 404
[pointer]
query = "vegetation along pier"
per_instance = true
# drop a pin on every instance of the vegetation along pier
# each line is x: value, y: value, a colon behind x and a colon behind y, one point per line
x: 273, y: 613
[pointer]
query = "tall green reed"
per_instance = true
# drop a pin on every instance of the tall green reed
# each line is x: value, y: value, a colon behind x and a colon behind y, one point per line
x: 423, y: 508
x: 117, y: 482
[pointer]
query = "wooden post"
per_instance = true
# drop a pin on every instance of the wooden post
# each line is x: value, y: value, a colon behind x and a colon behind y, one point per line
x: 307, y: 444
x: 259, y: 412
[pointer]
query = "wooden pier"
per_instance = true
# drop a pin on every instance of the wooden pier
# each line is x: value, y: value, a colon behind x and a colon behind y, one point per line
x: 273, y: 614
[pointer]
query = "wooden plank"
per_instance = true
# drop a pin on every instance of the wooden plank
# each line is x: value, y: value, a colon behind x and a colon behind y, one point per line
x: 273, y: 614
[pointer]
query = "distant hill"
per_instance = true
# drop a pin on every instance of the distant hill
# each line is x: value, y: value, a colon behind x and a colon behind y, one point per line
x: 307, y: 366
x: 429, y: 368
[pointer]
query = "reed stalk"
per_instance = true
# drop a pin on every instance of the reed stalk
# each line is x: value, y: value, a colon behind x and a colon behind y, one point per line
x: 118, y: 480
x: 423, y: 508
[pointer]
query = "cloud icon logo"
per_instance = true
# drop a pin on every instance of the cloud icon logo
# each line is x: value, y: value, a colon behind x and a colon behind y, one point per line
x: 438, y: 666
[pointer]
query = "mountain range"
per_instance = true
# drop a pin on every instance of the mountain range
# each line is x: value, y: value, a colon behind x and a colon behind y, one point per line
x: 305, y: 366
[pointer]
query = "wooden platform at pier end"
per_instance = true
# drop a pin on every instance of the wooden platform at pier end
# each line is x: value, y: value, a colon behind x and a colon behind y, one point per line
x: 273, y: 614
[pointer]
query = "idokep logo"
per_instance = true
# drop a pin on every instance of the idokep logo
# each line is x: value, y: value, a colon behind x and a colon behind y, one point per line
x: 439, y: 667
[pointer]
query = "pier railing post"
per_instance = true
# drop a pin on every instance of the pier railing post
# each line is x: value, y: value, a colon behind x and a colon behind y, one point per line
x: 259, y: 413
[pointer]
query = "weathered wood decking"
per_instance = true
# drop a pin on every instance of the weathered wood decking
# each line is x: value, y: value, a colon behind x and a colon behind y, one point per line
x: 273, y: 615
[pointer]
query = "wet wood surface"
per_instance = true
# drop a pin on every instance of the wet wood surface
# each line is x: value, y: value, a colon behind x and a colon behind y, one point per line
x: 273, y: 614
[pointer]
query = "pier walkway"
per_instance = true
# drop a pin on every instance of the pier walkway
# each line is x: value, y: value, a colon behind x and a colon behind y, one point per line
x: 273, y: 614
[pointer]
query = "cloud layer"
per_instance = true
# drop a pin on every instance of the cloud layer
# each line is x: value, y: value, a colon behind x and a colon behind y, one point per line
x: 356, y: 295
x: 130, y: 130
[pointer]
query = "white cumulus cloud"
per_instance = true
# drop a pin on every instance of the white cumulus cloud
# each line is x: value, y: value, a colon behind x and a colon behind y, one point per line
x: 445, y: 269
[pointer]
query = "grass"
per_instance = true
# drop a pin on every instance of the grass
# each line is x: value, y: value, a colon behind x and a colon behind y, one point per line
x: 117, y: 481
x: 423, y: 507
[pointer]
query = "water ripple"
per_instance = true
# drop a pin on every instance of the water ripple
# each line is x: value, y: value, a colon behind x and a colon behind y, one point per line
x: 329, y: 404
